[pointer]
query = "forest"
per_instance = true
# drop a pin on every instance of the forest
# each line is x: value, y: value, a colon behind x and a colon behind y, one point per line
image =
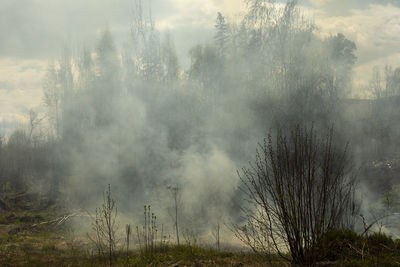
x: 254, y: 154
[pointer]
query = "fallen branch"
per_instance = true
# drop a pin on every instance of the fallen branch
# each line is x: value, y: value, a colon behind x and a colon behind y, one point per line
x: 60, y: 220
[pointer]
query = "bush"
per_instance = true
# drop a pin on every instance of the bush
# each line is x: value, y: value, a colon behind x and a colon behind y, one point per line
x: 104, y: 227
x: 299, y: 188
x: 397, y: 244
x: 338, y: 244
x: 378, y: 243
x: 352, y: 249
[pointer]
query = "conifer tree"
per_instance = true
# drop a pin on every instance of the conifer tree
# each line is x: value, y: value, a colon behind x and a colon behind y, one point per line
x: 221, y: 36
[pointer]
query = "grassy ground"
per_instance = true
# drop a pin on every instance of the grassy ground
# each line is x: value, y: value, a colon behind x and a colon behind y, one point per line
x: 41, y: 236
x: 51, y: 249
x: 26, y: 242
x: 26, y: 239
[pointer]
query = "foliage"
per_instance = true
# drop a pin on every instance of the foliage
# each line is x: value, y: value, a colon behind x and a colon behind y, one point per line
x: 348, y: 247
x: 337, y: 245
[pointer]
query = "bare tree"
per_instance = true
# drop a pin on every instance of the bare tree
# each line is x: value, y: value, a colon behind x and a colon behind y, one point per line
x: 105, y: 227
x: 376, y: 83
x: 34, y: 122
x: 176, y: 195
x: 128, y: 234
x: 215, y: 234
x: 52, y: 97
x: 299, y: 188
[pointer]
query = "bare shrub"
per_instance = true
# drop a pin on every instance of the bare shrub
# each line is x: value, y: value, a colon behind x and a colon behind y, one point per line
x: 128, y: 234
x: 299, y: 188
x: 215, y: 234
x: 176, y: 196
x: 104, y: 227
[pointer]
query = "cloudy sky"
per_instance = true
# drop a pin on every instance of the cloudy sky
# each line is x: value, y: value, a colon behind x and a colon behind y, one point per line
x: 33, y: 32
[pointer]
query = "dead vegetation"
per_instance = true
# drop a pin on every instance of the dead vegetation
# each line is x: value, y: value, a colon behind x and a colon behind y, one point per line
x: 58, y: 247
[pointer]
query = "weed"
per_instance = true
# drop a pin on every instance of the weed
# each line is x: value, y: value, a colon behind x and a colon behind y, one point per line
x: 104, y: 227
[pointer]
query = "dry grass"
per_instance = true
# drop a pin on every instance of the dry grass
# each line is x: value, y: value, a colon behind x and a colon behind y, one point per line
x: 24, y: 245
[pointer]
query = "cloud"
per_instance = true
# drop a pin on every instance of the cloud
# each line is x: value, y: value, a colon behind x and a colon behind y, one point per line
x: 319, y: 3
x: 38, y: 28
x: 192, y: 22
x: 383, y: 2
x: 338, y: 7
x: 5, y: 85
x: 375, y: 30
x: 41, y: 28
x: 34, y: 31
x: 20, y: 90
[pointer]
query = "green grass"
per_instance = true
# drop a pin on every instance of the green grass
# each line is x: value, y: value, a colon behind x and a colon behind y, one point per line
x: 54, y: 248
x: 49, y: 248
x: 24, y: 245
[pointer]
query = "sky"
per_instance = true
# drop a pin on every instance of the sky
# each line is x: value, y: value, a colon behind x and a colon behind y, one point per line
x: 34, y: 32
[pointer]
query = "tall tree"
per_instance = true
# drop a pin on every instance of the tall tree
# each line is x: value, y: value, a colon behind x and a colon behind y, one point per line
x: 52, y: 98
x: 146, y: 44
x: 343, y: 59
x: 67, y: 87
x: 108, y: 80
x: 376, y: 83
x: 169, y: 60
x: 222, y: 35
x: 392, y: 78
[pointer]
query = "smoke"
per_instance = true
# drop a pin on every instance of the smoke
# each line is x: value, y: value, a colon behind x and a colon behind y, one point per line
x: 141, y: 124
x: 133, y: 118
